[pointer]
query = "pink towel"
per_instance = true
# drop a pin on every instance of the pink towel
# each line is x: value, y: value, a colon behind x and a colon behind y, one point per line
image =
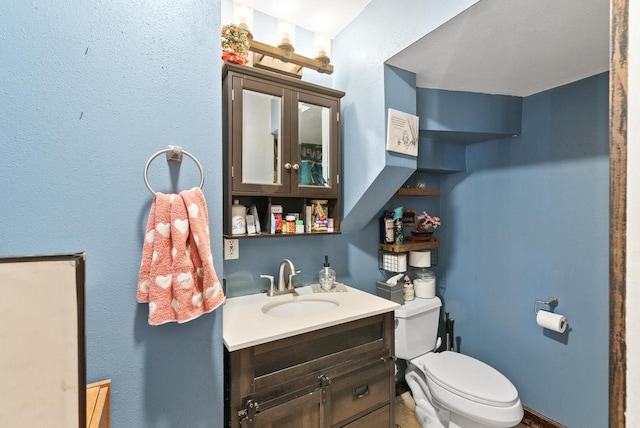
x: 177, y: 277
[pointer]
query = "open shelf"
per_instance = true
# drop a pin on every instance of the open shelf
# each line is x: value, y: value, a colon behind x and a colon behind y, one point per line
x: 406, y: 191
x: 278, y: 235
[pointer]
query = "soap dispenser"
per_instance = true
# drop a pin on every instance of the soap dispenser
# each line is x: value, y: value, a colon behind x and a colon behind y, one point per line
x: 327, y: 276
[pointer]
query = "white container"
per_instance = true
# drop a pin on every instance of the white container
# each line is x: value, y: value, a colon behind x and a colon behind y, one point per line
x: 425, y: 284
x: 238, y: 222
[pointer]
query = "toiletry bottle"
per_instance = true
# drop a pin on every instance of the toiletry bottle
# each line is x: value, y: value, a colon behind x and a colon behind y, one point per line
x: 238, y: 221
x: 408, y: 292
x: 397, y: 225
x: 386, y: 228
x: 327, y: 275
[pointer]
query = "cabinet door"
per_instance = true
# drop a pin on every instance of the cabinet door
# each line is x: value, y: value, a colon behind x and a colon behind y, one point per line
x: 259, y: 136
x: 306, y: 411
x: 315, y: 146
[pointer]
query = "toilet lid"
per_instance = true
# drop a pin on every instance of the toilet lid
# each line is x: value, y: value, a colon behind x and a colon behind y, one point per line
x: 467, y: 377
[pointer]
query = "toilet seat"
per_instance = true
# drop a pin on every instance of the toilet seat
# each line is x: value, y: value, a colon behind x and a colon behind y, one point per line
x: 470, y: 378
x: 470, y: 388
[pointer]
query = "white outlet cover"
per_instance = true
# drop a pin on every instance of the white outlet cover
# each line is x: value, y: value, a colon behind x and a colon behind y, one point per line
x: 231, y: 249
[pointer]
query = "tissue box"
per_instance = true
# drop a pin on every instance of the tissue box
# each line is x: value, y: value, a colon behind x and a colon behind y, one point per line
x: 393, y: 293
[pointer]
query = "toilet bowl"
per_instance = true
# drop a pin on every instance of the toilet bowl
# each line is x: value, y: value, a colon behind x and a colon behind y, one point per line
x: 451, y: 390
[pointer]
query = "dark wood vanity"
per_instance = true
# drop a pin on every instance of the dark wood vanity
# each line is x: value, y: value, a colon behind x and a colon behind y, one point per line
x: 339, y: 376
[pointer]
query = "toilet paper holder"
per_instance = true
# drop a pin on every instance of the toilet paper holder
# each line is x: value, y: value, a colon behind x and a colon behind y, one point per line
x: 552, y: 301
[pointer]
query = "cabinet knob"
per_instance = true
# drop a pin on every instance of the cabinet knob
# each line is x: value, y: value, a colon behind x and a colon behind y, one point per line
x: 296, y: 167
x: 287, y: 166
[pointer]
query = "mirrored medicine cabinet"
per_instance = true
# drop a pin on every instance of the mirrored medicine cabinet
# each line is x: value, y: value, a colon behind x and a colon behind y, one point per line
x: 282, y: 145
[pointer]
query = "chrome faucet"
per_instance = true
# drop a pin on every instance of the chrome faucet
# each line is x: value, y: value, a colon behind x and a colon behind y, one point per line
x: 292, y: 272
x: 284, y: 287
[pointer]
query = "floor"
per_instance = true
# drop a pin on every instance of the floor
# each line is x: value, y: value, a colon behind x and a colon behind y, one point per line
x: 405, y: 412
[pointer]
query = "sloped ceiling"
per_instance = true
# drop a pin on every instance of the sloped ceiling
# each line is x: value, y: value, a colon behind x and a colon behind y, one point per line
x: 512, y: 47
x: 507, y: 47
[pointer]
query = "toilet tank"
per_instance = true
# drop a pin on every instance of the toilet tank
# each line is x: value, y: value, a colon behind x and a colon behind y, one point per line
x: 417, y: 327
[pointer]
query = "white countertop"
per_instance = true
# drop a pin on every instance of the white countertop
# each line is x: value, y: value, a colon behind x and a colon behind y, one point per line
x: 244, y: 324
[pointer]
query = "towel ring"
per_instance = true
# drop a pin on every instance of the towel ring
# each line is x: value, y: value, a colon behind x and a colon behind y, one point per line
x: 176, y: 156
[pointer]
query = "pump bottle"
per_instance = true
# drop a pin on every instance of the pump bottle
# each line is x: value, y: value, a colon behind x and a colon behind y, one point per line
x: 327, y: 276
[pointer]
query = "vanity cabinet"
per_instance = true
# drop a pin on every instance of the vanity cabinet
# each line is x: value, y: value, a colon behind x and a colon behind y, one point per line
x: 339, y: 376
x: 281, y: 140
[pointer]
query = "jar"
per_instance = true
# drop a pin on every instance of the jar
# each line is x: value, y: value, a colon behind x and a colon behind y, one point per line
x: 290, y: 224
x: 238, y: 220
x: 425, y: 284
x: 408, y: 293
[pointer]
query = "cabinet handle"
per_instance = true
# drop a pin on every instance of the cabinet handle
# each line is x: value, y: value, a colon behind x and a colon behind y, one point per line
x: 296, y: 167
x: 287, y: 166
x: 361, y: 391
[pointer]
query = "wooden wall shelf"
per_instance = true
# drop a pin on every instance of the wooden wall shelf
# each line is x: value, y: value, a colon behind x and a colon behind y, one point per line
x: 409, y: 246
x: 406, y: 191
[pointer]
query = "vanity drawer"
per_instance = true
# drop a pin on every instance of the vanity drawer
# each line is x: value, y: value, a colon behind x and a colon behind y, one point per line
x: 376, y: 419
x: 359, y: 391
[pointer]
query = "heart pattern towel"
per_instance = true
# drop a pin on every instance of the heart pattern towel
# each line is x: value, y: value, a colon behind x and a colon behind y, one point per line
x: 177, y: 278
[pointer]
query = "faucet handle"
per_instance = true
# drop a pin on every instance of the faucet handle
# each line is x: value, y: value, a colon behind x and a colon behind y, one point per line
x: 291, y: 284
x: 271, y: 287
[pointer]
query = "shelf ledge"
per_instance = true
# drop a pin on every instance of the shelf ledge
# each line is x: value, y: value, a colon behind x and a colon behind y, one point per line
x: 406, y: 191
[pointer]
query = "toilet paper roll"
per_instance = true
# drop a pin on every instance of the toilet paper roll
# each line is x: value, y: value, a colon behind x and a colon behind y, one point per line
x: 551, y: 321
x: 420, y: 258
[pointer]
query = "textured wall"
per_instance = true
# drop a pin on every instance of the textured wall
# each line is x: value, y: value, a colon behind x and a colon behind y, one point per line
x: 90, y: 90
x: 528, y: 220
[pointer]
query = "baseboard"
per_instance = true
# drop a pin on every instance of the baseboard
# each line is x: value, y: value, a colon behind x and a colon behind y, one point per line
x: 534, y: 419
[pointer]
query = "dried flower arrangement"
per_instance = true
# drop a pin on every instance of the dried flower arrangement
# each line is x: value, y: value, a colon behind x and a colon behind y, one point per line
x: 235, y: 44
x: 426, y: 222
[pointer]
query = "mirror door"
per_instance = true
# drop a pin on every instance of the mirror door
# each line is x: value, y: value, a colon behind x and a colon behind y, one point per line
x: 259, y: 152
x: 315, y: 131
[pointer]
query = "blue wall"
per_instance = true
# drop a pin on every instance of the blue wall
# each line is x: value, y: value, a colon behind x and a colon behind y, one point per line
x: 90, y: 90
x: 379, y: 32
x: 528, y: 220
x: 358, y: 54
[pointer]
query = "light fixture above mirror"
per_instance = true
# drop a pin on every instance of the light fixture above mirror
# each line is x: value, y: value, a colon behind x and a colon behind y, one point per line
x: 282, y: 58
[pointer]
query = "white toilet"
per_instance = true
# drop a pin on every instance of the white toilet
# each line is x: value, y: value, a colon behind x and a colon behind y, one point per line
x: 451, y: 390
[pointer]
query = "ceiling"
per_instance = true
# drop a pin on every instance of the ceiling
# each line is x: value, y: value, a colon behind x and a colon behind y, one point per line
x: 328, y: 17
x: 513, y: 47
x: 510, y: 47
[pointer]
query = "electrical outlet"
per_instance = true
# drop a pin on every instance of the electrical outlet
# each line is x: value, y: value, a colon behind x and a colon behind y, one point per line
x: 231, y: 249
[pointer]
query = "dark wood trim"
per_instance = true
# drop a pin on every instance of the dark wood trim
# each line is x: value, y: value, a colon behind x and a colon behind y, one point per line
x: 617, y: 210
x: 534, y: 419
x: 280, y: 79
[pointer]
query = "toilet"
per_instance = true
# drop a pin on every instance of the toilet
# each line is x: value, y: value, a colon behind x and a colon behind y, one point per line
x: 451, y: 390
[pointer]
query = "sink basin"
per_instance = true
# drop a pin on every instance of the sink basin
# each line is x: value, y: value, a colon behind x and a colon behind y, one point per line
x: 300, y: 307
